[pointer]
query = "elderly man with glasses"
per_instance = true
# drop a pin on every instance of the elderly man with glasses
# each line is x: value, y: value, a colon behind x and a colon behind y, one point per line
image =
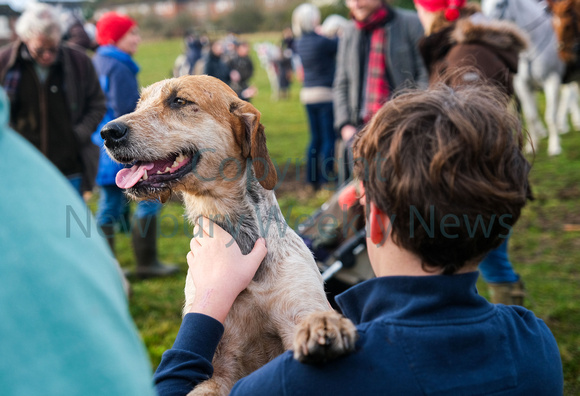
x: 55, y: 96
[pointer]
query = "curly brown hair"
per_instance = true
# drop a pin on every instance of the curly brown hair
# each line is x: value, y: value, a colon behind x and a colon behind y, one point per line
x: 447, y: 164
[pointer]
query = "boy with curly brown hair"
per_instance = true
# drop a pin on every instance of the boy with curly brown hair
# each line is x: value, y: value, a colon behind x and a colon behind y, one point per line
x: 444, y: 182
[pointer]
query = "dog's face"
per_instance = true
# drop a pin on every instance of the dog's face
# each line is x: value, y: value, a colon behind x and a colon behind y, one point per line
x: 189, y: 134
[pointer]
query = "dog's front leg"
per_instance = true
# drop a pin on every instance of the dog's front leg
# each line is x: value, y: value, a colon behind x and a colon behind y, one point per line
x: 226, y: 371
x: 324, y: 336
x: 215, y: 386
x: 317, y: 336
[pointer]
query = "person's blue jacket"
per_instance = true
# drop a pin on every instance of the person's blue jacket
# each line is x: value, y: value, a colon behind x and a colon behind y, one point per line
x: 118, y: 77
x: 423, y: 335
x: 318, y: 56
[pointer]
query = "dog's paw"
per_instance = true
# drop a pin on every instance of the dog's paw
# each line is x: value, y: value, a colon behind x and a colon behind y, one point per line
x: 324, y: 336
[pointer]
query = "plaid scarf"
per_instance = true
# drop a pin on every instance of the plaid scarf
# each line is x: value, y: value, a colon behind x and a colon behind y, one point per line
x: 377, y: 87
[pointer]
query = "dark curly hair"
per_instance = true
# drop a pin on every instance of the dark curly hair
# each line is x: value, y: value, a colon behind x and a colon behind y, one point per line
x: 448, y: 164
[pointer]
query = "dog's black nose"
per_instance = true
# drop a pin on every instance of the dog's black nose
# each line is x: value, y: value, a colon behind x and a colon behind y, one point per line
x: 114, y: 133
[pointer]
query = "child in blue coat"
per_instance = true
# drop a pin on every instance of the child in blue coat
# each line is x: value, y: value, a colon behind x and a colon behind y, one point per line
x: 118, y: 37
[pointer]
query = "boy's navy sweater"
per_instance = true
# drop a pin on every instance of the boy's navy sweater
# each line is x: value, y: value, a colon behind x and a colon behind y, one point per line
x: 418, y: 335
x: 318, y: 55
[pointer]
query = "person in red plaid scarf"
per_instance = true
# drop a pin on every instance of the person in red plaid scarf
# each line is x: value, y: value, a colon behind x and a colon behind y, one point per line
x: 377, y: 55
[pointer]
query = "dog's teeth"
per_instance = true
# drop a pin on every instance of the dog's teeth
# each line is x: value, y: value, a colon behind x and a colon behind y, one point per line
x: 179, y: 158
x: 159, y: 173
x: 145, y: 175
x: 175, y: 164
x: 168, y: 169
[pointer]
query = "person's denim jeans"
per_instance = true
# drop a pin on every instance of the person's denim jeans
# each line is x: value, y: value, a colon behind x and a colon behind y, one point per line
x: 496, y: 266
x: 76, y: 181
x: 113, y: 207
x: 320, y: 154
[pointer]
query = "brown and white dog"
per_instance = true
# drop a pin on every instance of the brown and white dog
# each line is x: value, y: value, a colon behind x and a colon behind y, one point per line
x: 194, y: 136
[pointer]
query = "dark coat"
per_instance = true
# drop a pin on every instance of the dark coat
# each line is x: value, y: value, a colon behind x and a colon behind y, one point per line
x: 216, y: 67
x: 85, y: 100
x: 318, y: 56
x: 491, y: 49
x: 244, y: 66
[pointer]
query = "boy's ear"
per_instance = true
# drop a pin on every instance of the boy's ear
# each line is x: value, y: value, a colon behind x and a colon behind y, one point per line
x: 378, y: 225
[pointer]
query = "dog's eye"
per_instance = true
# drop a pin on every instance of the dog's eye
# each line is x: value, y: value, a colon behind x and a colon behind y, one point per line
x: 179, y: 102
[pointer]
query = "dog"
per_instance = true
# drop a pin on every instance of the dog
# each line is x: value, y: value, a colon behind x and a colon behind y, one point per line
x: 194, y: 136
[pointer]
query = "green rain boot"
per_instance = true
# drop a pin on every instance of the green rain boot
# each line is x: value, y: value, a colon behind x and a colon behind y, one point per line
x: 144, y: 235
x: 507, y: 293
x: 108, y: 231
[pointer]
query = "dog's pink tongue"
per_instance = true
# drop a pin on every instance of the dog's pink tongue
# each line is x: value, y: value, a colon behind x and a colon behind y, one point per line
x: 128, y: 177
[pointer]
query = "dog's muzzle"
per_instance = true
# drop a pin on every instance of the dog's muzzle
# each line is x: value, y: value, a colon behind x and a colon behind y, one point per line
x: 114, y: 134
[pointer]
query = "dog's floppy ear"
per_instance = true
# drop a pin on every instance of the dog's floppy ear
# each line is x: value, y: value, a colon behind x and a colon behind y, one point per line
x: 252, y: 141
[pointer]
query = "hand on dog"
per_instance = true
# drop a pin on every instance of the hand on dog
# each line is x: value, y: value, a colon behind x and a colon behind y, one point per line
x: 324, y: 336
x: 219, y: 269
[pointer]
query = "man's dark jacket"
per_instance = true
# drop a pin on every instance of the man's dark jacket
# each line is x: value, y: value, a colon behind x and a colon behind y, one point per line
x: 81, y: 110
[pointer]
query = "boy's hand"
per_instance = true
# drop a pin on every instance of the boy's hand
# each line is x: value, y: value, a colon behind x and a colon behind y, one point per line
x: 219, y: 269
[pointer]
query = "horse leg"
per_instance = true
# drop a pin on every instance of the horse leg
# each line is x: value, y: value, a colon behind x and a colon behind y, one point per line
x: 551, y: 90
x: 569, y: 105
x: 574, y: 107
x: 564, y: 106
x: 527, y: 100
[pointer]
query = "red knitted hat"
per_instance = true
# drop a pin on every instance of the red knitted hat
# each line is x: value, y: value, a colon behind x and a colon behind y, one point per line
x: 451, y: 7
x: 112, y: 26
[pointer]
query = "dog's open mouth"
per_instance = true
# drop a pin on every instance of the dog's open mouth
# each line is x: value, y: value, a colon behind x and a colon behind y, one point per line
x: 154, y: 174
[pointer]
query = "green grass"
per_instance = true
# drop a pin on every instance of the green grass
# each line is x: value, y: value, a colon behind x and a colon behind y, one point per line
x: 546, y: 256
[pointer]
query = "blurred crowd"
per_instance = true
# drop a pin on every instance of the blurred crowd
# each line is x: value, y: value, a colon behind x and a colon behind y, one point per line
x: 227, y: 59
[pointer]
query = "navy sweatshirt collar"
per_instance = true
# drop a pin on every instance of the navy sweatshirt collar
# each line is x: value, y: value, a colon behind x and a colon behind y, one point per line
x: 415, y: 299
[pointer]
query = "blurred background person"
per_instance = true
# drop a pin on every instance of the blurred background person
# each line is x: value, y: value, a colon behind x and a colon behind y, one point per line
x: 118, y: 38
x: 368, y: 71
x: 284, y: 70
x: 459, y: 38
x: 318, y: 58
x: 241, y: 71
x: 214, y: 64
x: 333, y: 26
x: 230, y: 44
x: 287, y: 39
x: 194, y: 44
x: 56, y: 101
x: 74, y: 31
x: 286, y: 63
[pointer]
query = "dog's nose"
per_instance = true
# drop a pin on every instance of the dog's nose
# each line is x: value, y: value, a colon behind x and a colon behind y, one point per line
x: 113, y: 133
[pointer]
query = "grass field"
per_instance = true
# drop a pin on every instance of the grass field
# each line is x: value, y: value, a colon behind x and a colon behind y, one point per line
x: 543, y: 251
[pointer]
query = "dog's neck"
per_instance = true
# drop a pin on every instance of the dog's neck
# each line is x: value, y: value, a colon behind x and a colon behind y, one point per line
x: 247, y: 214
